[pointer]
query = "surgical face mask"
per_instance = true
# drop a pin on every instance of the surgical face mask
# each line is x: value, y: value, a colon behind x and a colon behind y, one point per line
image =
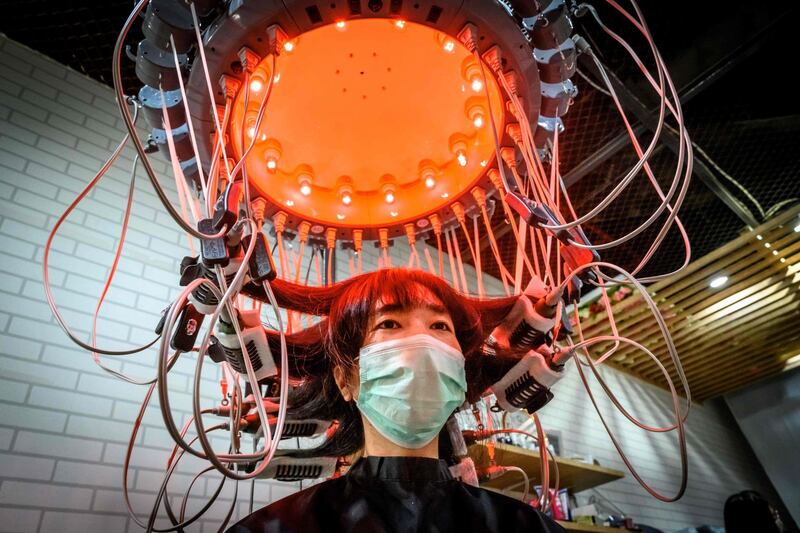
x: 409, y: 387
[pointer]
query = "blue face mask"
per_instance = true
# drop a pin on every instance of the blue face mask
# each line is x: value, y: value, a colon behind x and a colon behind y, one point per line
x: 409, y: 387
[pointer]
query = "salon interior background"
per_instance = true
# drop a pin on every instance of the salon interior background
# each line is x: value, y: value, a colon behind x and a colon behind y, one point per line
x: 64, y: 424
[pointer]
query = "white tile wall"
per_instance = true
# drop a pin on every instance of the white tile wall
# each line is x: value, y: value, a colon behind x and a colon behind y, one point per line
x: 64, y: 423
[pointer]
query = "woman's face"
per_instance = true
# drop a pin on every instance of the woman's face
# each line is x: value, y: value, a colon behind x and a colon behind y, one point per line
x: 390, y: 322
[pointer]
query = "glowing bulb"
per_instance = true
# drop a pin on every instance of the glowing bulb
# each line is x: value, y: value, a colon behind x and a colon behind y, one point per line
x: 288, y: 46
x: 478, y: 121
x: 347, y: 199
x: 256, y: 85
x: 462, y: 159
x: 449, y: 46
x: 484, y: 163
x: 251, y: 131
x: 477, y: 85
x: 305, y: 189
x: 718, y: 282
x: 290, y: 203
x: 783, y: 260
x: 339, y: 216
x: 774, y: 252
x: 272, y: 163
x: 445, y: 195
x: 389, y: 197
x: 277, y: 78
x: 430, y: 182
x: 797, y: 228
x: 393, y: 213
x: 767, y: 245
x: 341, y: 25
x: 759, y: 237
x: 400, y: 24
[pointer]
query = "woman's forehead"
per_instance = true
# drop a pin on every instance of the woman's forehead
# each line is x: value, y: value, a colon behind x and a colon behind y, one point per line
x: 414, y: 296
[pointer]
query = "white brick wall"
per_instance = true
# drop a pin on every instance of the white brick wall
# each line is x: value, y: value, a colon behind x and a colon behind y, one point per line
x: 64, y: 423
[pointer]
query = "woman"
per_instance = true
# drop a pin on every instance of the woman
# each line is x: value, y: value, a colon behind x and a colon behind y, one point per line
x: 398, y: 353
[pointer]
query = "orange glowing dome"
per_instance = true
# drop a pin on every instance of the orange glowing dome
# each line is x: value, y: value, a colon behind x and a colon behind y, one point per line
x: 369, y: 124
x: 380, y: 116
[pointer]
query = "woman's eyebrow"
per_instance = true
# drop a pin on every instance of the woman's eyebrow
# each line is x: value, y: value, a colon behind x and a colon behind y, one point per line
x: 395, y: 307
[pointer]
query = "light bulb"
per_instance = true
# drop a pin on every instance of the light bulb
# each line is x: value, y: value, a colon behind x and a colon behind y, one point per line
x: 256, y: 85
x: 272, y: 163
x: 288, y: 46
x: 290, y: 203
x: 347, y: 199
x: 251, y: 131
x: 477, y: 85
x: 393, y: 213
x: 449, y: 46
x: 400, y: 24
x: 462, y: 159
x: 445, y: 195
x: 478, y: 121
x: 341, y: 25
x: 305, y: 189
x: 718, y: 282
x: 430, y: 182
x: 339, y: 216
x: 389, y: 197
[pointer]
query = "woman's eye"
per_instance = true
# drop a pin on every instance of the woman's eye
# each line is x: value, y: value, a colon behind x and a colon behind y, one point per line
x: 388, y: 324
x: 444, y: 326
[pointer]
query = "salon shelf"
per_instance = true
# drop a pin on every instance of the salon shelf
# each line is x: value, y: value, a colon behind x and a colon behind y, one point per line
x: 574, y: 475
x: 587, y: 528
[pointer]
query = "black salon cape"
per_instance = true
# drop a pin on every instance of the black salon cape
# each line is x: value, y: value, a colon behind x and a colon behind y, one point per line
x: 398, y: 495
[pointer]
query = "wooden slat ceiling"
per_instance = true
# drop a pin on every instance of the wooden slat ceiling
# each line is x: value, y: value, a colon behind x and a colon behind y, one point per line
x: 727, y: 337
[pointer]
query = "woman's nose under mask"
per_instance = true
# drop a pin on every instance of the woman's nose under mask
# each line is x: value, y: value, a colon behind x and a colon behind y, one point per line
x: 409, y: 387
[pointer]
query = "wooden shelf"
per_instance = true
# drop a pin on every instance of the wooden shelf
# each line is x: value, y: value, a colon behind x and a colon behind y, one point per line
x: 587, y: 528
x: 574, y: 475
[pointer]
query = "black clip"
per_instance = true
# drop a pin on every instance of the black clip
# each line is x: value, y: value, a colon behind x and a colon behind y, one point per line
x: 187, y: 328
x: 535, y: 214
x: 261, y: 265
x: 212, y: 251
x: 226, y: 209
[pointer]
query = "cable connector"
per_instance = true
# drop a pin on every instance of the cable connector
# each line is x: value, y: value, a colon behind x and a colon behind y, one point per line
x: 277, y: 39
x: 496, y: 179
x: 358, y: 240
x: 248, y: 59
x: 479, y: 195
x: 411, y: 234
x: 302, y: 231
x: 512, y: 80
x: 515, y: 132
x: 458, y: 211
x: 494, y: 58
x: 436, y: 222
x: 258, y: 206
x: 509, y: 156
x: 383, y: 238
x: 279, y: 221
x: 229, y: 85
x: 469, y: 37
x: 330, y: 238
